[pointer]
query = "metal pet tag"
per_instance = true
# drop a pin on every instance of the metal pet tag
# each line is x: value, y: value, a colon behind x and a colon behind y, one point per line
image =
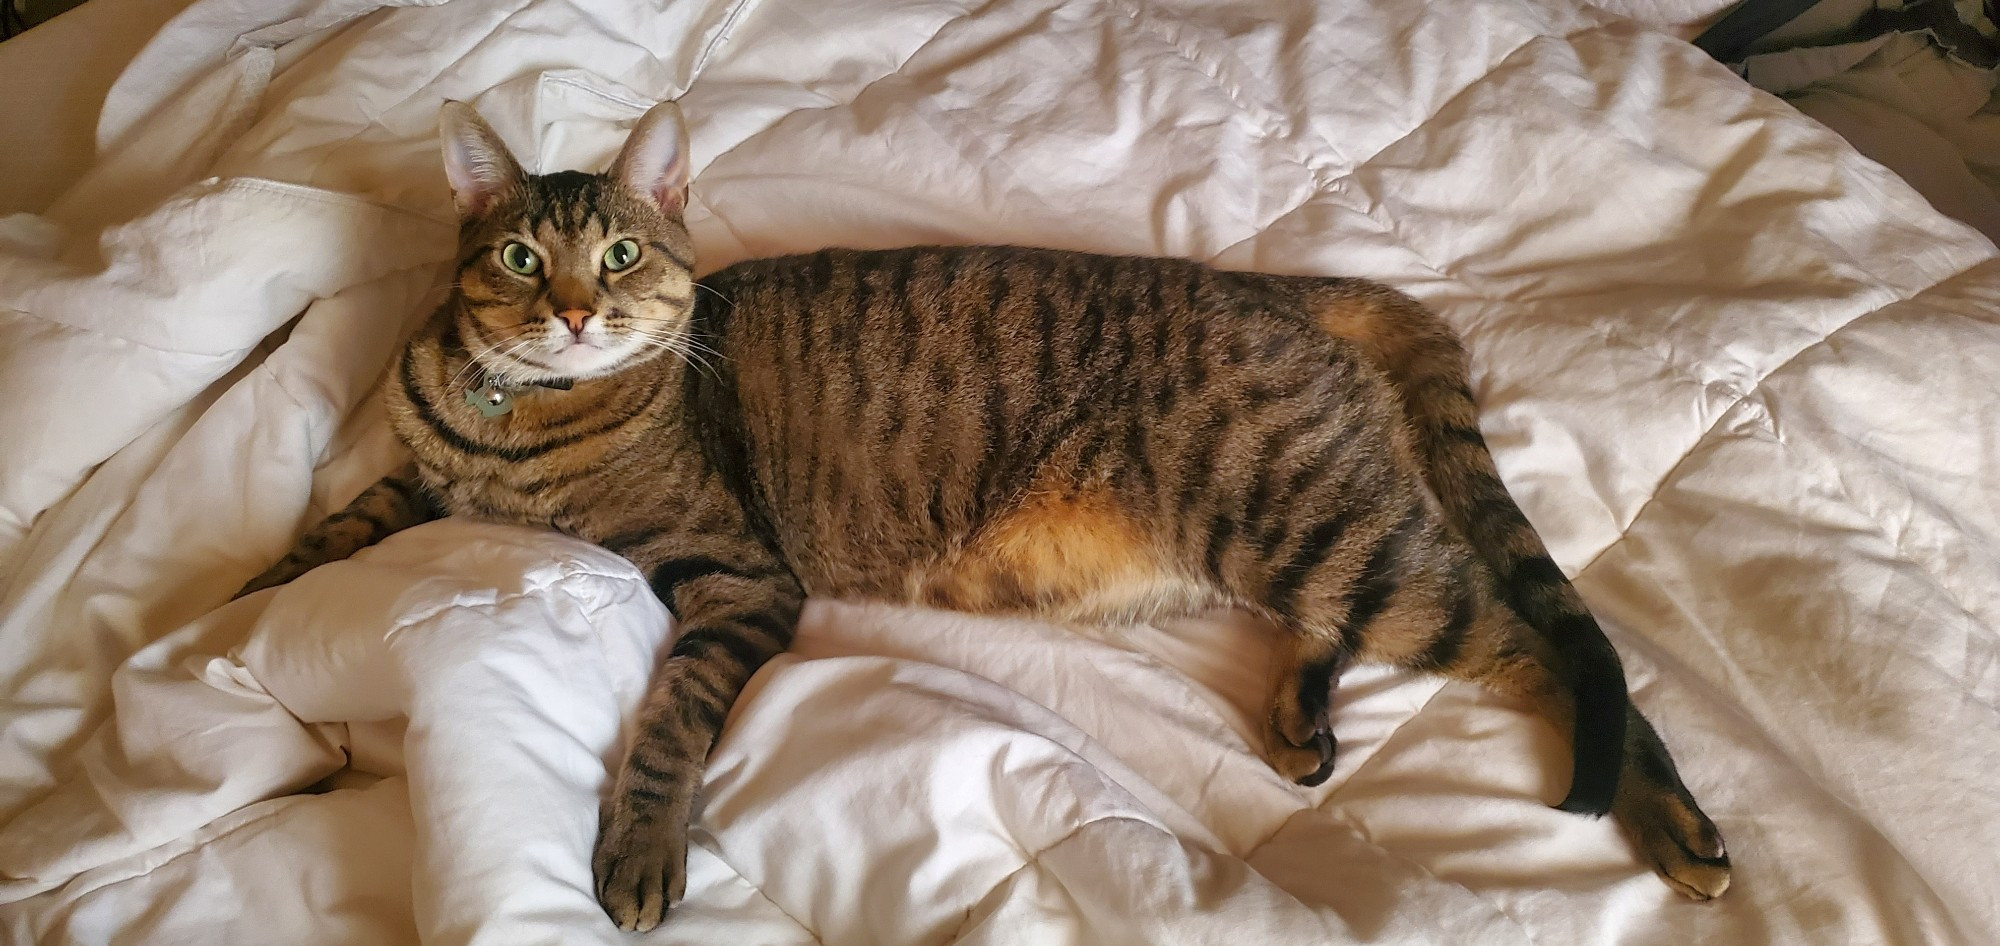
x: 490, y: 401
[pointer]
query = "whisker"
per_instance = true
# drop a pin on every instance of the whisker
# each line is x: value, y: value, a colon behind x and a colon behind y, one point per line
x: 694, y: 361
x: 702, y: 346
x: 695, y: 357
x: 686, y: 345
x: 682, y: 346
x: 514, y: 345
x: 683, y: 338
x: 472, y: 361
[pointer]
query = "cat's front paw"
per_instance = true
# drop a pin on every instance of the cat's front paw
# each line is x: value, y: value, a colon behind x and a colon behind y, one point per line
x: 640, y: 862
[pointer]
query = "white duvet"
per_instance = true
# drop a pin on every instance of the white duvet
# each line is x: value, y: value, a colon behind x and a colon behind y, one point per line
x: 1742, y: 379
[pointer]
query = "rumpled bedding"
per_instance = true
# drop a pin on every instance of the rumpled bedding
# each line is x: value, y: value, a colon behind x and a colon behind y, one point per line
x: 1740, y: 378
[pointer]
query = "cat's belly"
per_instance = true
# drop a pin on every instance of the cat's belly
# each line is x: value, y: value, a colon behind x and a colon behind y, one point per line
x: 1070, y: 598
x: 1069, y: 557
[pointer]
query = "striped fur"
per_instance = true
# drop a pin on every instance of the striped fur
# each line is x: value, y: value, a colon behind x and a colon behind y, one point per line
x: 1078, y: 437
x: 396, y: 502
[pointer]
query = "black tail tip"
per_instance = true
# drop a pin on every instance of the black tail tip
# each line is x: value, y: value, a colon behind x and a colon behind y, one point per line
x: 1594, y: 783
x: 1598, y: 740
x: 1594, y: 802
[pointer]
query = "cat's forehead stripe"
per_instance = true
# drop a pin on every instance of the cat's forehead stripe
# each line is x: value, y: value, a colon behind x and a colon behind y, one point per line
x: 566, y: 200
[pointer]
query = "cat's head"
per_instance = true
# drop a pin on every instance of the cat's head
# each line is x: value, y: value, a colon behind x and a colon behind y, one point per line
x: 571, y: 275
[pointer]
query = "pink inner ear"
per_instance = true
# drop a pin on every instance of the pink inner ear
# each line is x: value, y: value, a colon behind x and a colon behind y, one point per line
x: 475, y: 167
x: 472, y: 186
x: 654, y: 162
x: 671, y: 199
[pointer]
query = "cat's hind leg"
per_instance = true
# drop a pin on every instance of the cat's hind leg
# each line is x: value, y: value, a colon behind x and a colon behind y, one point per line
x: 1438, y: 611
x: 1663, y: 820
x: 1403, y: 592
x: 1299, y: 739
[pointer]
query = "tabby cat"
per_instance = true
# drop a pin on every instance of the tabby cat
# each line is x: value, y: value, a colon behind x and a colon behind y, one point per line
x: 1085, y: 438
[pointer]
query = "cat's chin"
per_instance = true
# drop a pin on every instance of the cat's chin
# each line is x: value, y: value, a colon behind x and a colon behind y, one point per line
x: 584, y: 361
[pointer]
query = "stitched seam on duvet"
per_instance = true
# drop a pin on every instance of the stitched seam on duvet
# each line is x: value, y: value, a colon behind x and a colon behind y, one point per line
x: 317, y: 195
x: 1322, y: 186
x: 1375, y: 756
x: 273, y: 807
x: 1677, y: 370
x: 1035, y: 858
x: 735, y: 11
x: 186, y: 352
x: 1813, y: 774
x: 1368, y: 214
x: 715, y: 852
x: 715, y: 42
x: 1271, y: 125
x: 1452, y: 99
x: 694, y: 70
x: 95, y: 333
x: 1349, y: 780
x: 331, y: 197
x: 589, y: 89
x: 1929, y: 571
x: 1318, y: 172
x: 896, y: 72
x: 1325, y: 181
x: 1109, y: 819
x: 277, y: 381
x: 1268, y: 129
x: 1354, y: 828
x: 373, y: 119
x: 1754, y: 387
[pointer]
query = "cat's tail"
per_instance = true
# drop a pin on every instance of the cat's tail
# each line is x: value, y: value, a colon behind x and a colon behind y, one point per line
x: 1427, y: 365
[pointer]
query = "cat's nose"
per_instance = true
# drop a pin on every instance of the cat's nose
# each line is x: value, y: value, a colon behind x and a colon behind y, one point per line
x: 574, y: 318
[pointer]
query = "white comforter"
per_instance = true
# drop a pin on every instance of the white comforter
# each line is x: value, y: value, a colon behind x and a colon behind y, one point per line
x: 1741, y: 378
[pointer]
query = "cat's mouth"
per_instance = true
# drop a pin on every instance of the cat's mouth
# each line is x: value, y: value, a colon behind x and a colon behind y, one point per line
x: 581, y: 357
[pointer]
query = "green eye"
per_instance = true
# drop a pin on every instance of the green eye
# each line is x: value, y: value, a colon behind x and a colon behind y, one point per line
x: 517, y: 257
x: 621, y: 255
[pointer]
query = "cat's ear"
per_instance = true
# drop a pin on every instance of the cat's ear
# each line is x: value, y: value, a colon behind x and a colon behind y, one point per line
x: 654, y: 162
x: 476, y: 161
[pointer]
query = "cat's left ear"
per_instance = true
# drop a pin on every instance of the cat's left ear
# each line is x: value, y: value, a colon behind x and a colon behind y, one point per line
x: 654, y: 162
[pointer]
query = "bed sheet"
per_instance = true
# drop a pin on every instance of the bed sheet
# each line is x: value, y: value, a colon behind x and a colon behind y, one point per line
x: 56, y: 77
x: 1733, y: 371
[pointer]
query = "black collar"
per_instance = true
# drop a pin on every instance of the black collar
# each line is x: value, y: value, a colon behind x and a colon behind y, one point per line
x: 493, y: 397
x: 484, y: 380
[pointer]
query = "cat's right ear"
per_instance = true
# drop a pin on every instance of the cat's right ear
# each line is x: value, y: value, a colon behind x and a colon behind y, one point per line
x: 476, y: 161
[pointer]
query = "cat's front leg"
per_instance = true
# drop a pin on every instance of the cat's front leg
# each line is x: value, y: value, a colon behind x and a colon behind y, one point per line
x: 396, y: 502
x: 736, y: 611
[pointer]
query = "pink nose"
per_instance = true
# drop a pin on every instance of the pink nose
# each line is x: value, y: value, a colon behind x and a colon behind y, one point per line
x: 575, y: 319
